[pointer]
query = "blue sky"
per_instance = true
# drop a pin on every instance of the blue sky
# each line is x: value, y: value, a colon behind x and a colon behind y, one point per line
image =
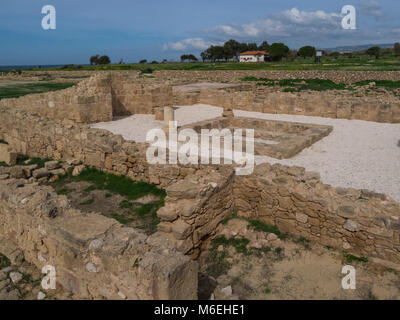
x: 158, y: 29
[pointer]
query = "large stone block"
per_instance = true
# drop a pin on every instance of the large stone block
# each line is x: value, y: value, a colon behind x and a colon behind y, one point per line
x: 7, y: 155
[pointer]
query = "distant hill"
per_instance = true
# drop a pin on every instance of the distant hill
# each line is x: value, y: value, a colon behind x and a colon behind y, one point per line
x: 360, y: 47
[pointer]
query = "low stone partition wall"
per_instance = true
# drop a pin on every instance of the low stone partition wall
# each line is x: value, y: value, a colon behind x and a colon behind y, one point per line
x: 330, y: 104
x: 358, y: 221
x: 29, y: 134
x: 132, y: 97
x: 94, y: 257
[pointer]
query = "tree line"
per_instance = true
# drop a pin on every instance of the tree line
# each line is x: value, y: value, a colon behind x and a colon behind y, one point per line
x: 232, y: 49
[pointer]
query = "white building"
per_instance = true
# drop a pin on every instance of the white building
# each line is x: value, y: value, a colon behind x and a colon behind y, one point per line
x: 252, y: 56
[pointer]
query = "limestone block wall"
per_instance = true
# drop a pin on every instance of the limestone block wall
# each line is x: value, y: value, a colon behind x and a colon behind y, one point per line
x: 328, y: 104
x: 195, y: 206
x: 358, y: 221
x: 131, y: 97
x: 94, y: 257
x: 31, y: 135
x: 87, y: 102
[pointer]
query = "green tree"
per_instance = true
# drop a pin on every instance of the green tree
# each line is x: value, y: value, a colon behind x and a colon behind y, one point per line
x: 205, y: 55
x: 143, y: 61
x: 252, y: 47
x: 94, y: 60
x: 264, y: 46
x: 374, y: 51
x: 231, y: 49
x: 307, y: 51
x: 278, y: 51
x: 104, y: 60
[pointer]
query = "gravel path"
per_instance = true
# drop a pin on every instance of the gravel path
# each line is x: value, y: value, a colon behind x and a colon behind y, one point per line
x: 357, y: 154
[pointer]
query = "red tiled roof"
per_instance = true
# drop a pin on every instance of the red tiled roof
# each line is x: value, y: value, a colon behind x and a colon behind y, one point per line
x: 252, y: 53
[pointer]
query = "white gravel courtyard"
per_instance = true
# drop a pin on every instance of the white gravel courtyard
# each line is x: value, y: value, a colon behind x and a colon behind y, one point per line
x: 357, y: 154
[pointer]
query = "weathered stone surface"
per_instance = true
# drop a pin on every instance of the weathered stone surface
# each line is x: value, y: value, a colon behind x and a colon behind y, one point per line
x: 346, y: 211
x: 183, y: 190
x: 167, y: 213
x: 352, y: 226
x: 160, y: 272
x: 7, y: 155
x: 40, y: 173
x: 181, y: 229
x: 15, y: 277
x: 301, y: 217
x: 52, y: 165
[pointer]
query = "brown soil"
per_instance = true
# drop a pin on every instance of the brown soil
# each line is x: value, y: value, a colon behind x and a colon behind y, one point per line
x: 295, y: 271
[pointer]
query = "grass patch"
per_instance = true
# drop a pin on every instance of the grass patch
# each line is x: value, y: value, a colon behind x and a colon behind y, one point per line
x: 3, y: 141
x: 40, y: 162
x: 90, y: 189
x: 119, y: 184
x: 266, y: 289
x: 122, y: 219
x: 303, y: 241
x: 87, y: 202
x: 238, y: 244
x: 3, y: 164
x: 217, y: 264
x: 18, y: 90
x: 349, y: 258
x: 108, y: 195
x: 4, y: 261
x: 257, y: 225
x: 64, y: 191
x: 297, y: 85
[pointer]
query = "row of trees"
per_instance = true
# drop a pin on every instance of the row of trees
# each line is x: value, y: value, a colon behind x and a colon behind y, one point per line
x: 232, y: 49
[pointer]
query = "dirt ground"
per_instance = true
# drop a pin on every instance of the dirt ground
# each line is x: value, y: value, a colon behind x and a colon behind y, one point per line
x: 289, y: 269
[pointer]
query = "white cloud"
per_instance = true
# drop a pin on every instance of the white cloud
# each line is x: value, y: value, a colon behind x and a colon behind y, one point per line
x: 294, y: 27
x: 289, y: 23
x: 371, y: 8
x: 190, y: 43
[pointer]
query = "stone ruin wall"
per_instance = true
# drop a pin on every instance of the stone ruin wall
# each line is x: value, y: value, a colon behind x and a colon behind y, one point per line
x: 89, y: 101
x: 105, y: 95
x: 360, y: 222
x: 96, y: 99
x: 94, y: 257
x: 198, y: 199
x: 134, y: 97
x: 341, y: 105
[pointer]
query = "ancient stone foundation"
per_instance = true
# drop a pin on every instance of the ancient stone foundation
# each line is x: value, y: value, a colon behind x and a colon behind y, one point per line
x: 94, y: 257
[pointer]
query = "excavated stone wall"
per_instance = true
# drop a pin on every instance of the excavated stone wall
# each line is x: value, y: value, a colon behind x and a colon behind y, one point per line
x: 89, y: 101
x: 94, y: 257
x: 360, y: 222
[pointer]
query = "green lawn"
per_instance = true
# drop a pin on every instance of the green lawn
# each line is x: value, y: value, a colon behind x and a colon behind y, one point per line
x: 355, y: 63
x: 15, y: 90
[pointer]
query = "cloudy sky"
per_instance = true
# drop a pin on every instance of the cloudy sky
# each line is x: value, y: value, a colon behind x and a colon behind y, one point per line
x: 158, y: 29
